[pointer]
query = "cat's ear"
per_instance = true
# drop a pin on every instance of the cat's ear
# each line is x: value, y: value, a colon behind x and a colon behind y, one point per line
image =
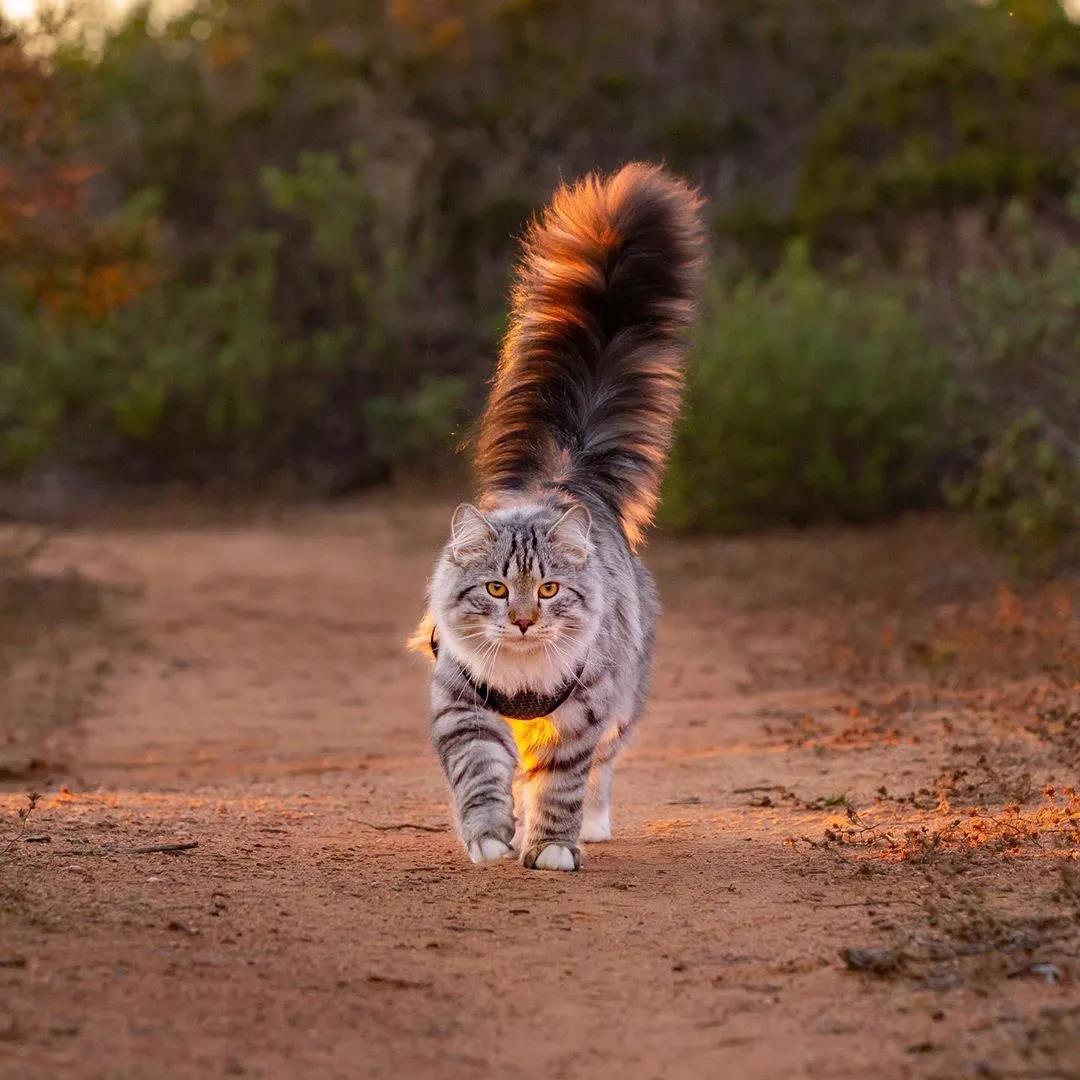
x: 471, y: 534
x: 571, y: 533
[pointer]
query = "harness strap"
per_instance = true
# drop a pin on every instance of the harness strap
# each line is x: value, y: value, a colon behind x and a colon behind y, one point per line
x: 525, y: 704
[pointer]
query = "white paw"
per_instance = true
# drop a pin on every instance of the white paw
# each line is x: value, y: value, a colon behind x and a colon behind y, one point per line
x: 556, y: 857
x: 596, y: 828
x: 488, y: 849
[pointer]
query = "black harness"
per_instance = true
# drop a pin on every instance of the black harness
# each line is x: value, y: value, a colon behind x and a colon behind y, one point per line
x: 525, y: 704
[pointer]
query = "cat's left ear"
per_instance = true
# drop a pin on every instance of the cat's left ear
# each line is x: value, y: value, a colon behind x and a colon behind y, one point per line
x: 571, y: 533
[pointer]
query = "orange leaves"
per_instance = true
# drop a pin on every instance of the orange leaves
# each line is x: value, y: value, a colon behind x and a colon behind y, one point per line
x: 46, y: 230
x: 433, y: 22
x: 226, y: 50
x: 43, y: 193
x: 446, y: 32
x: 74, y: 174
x: 66, y: 257
x: 1051, y: 830
x: 93, y: 290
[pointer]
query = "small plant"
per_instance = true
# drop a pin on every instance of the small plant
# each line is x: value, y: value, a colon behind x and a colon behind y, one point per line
x: 1025, y: 494
x: 24, y: 813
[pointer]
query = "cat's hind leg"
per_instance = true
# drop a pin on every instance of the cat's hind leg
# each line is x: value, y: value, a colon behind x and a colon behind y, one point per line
x: 596, y: 820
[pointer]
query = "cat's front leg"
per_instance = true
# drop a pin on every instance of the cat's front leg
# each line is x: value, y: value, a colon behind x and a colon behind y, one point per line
x: 478, y: 756
x: 554, y: 781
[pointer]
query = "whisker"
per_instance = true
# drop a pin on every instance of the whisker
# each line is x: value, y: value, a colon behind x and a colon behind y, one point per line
x: 569, y: 669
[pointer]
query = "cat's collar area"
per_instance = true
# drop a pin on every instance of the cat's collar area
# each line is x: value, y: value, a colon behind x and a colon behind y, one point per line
x: 525, y: 704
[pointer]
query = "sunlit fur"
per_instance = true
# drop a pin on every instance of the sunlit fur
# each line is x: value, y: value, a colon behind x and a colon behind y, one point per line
x: 589, y: 382
x: 570, y: 458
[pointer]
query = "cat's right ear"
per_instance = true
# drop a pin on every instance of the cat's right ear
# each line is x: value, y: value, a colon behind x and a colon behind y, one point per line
x: 471, y: 534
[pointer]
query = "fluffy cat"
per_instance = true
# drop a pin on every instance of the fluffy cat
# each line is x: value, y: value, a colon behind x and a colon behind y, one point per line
x: 541, y: 617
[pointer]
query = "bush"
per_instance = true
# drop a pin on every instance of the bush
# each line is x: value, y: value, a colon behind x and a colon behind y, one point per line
x: 1025, y: 493
x: 1012, y: 326
x: 808, y: 398
x: 185, y: 380
x: 291, y: 351
x: 973, y: 117
x: 814, y: 396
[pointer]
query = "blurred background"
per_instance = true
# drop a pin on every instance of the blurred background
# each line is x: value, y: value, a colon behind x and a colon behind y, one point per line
x: 269, y: 241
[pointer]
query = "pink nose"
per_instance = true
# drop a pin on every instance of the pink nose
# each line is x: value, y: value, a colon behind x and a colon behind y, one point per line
x: 523, y: 624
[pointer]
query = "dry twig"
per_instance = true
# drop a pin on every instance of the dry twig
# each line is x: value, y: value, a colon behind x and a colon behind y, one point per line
x: 148, y: 849
x: 399, y: 825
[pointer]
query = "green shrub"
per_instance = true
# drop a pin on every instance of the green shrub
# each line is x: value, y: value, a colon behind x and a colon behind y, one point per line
x: 187, y: 379
x: 413, y: 431
x: 808, y: 398
x: 1025, y: 494
x: 974, y: 116
x: 1012, y: 327
x: 291, y: 351
x: 365, y: 231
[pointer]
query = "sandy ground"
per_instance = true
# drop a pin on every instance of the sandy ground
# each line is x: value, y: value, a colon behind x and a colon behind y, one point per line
x: 848, y: 746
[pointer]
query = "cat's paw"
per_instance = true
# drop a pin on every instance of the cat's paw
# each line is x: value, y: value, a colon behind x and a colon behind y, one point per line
x: 552, y: 857
x: 596, y: 828
x: 488, y: 849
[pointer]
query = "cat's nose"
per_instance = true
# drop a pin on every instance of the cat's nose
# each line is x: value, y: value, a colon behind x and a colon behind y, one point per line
x: 523, y: 624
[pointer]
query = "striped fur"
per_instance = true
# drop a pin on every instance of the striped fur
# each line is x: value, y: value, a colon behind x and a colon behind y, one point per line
x: 570, y: 459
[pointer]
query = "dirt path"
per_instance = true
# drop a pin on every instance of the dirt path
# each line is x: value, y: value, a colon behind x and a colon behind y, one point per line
x: 328, y: 925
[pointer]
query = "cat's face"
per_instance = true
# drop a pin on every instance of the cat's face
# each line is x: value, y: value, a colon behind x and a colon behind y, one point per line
x: 518, y: 584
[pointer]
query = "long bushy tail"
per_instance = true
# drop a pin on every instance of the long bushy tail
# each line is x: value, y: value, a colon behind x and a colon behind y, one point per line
x: 589, y: 384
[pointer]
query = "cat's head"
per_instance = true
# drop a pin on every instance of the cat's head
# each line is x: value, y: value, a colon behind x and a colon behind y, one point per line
x: 518, y: 584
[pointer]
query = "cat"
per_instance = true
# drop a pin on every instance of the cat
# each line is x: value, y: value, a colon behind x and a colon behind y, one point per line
x: 541, y: 617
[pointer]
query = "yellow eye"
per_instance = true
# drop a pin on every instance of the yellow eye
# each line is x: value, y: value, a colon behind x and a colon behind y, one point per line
x: 548, y: 589
x: 497, y: 589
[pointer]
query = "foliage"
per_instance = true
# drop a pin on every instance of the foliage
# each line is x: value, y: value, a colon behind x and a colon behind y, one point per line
x: 1026, y: 495
x: 977, y: 115
x: 351, y: 205
x: 195, y: 379
x: 847, y: 395
x: 257, y: 237
x: 808, y: 398
x: 411, y: 431
x: 1013, y: 328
